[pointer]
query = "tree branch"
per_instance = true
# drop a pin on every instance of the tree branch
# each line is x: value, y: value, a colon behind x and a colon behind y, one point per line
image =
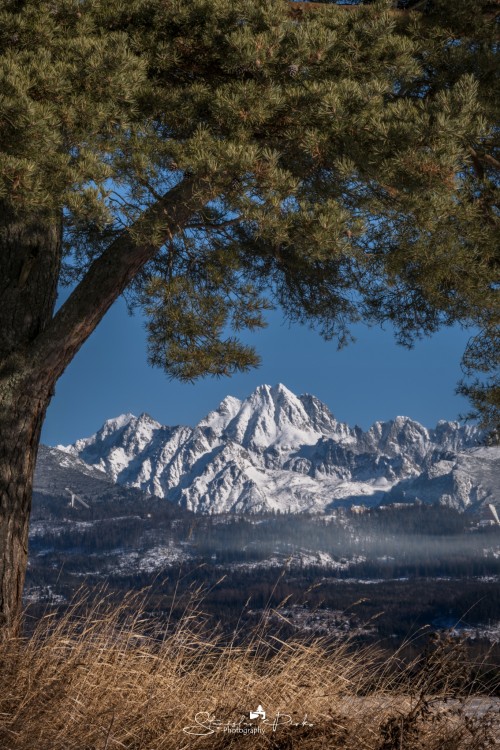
x: 109, y: 275
x: 491, y: 160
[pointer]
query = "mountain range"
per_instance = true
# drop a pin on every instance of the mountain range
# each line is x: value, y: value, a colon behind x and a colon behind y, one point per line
x: 275, y: 451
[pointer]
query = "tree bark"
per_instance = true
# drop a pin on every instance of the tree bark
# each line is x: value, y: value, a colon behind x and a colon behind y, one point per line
x: 21, y: 419
x: 30, y: 257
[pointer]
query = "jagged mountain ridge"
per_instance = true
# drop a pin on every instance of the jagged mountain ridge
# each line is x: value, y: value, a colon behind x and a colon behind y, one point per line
x: 278, y: 451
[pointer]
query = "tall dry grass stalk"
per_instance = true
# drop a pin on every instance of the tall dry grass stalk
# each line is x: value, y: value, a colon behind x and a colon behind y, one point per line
x: 101, y: 678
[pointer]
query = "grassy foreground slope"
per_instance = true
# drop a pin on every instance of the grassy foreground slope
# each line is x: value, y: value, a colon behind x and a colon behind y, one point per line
x: 101, y: 678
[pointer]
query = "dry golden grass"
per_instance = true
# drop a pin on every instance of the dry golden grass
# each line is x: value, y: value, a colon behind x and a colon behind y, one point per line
x: 101, y: 679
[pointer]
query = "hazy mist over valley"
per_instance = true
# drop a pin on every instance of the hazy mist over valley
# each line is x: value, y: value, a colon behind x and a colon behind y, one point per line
x: 270, y: 501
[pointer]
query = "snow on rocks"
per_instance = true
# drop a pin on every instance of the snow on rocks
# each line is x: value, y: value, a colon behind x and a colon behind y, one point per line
x: 275, y: 451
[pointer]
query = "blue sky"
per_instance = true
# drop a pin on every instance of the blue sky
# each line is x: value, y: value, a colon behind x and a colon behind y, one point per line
x: 369, y: 380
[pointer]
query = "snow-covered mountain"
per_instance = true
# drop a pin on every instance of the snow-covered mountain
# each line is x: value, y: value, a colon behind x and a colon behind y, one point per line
x: 279, y: 451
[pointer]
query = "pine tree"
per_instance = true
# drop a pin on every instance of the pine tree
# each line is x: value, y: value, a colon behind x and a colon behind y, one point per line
x: 211, y: 158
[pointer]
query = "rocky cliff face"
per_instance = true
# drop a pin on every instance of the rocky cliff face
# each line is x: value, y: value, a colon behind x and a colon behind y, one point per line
x: 279, y: 451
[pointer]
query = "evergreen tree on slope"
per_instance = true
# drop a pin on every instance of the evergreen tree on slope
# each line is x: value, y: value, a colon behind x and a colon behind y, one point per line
x: 209, y: 158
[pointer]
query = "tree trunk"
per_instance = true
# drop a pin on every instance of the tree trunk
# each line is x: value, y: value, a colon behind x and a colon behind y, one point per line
x: 30, y: 258
x: 21, y: 419
x: 30, y: 255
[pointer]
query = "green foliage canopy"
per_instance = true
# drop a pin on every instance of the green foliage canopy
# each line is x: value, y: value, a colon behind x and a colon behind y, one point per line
x: 353, y: 162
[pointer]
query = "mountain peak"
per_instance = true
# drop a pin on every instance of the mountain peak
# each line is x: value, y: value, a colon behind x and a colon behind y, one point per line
x: 269, y: 416
x: 145, y: 418
x: 116, y: 423
x: 275, y: 450
x: 218, y: 419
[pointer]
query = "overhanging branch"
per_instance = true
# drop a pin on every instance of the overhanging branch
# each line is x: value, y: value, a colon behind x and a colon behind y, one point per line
x: 109, y: 275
